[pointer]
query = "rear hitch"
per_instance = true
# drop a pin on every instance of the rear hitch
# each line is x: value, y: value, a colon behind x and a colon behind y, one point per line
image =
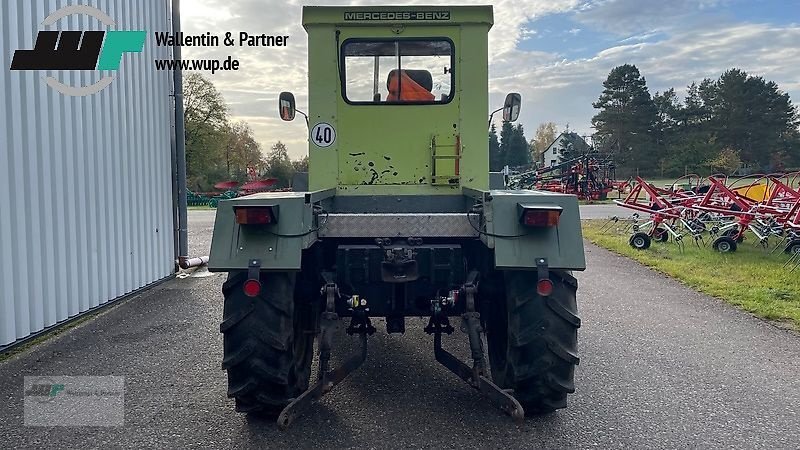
x: 326, y: 378
x: 475, y: 376
x: 399, y: 266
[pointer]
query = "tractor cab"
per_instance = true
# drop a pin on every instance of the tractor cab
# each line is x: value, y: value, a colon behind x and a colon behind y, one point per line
x: 397, y: 99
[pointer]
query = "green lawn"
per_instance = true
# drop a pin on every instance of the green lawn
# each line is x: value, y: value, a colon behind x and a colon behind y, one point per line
x: 751, y: 278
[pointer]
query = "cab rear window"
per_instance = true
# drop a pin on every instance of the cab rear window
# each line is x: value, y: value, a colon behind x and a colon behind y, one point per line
x: 401, y: 71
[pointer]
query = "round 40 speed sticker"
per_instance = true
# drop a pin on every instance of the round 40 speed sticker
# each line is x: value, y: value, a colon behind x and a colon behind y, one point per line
x: 323, y: 134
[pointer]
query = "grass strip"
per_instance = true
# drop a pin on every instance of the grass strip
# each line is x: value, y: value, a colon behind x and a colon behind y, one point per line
x: 751, y: 278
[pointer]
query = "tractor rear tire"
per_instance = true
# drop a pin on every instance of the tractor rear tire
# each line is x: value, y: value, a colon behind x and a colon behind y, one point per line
x: 532, y: 340
x: 268, y: 343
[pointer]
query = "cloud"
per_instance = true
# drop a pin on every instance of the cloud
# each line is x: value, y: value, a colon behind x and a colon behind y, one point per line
x: 267, y: 72
x: 563, y: 90
x: 626, y: 17
x: 672, y: 42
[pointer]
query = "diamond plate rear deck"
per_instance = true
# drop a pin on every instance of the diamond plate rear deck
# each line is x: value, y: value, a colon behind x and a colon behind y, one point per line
x: 398, y: 225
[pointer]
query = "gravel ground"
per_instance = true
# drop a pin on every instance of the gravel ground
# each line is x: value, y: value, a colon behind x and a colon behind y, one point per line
x: 662, y: 367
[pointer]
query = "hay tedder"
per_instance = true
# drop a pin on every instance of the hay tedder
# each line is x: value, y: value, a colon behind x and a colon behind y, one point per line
x: 764, y: 208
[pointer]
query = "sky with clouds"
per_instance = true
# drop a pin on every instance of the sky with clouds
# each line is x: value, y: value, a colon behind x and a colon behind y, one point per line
x: 556, y: 53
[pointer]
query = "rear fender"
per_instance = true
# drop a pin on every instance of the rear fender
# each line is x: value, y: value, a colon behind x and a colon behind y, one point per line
x: 234, y: 245
x: 561, y: 245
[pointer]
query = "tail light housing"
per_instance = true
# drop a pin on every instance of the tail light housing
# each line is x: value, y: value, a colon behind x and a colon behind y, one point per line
x: 539, y: 216
x: 544, y: 286
x: 252, y: 286
x: 256, y: 215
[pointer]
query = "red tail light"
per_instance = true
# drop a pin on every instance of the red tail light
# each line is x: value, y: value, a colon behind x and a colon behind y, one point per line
x: 255, y: 215
x: 540, y: 216
x: 252, y: 288
x: 544, y: 287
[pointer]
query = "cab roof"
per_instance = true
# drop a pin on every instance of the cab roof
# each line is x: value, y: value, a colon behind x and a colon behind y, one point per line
x: 393, y: 15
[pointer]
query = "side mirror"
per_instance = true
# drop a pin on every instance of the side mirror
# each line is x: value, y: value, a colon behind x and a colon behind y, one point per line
x: 511, y: 107
x: 286, y: 106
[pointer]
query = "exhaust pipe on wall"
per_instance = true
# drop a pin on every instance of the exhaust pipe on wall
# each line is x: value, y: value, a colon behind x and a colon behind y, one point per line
x: 188, y: 263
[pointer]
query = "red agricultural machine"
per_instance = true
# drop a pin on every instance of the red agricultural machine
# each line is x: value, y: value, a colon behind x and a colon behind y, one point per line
x: 588, y: 176
x: 229, y: 189
x: 729, y: 211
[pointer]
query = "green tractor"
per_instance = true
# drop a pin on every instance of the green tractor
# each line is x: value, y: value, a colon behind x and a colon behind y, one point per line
x: 398, y: 220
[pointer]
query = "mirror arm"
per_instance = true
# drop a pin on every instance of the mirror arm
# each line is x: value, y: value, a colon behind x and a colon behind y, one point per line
x: 303, y: 114
x: 491, y: 116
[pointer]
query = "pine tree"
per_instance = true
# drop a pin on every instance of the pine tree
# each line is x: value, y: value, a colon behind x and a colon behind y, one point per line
x: 495, y: 159
x: 687, y: 136
x: 629, y: 115
x: 517, y: 152
x: 506, y: 133
x: 751, y: 115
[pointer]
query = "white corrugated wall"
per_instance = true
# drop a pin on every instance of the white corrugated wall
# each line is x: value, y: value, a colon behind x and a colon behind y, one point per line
x: 85, y: 182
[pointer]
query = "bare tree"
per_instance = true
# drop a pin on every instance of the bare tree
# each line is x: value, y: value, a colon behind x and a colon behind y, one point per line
x: 545, y: 134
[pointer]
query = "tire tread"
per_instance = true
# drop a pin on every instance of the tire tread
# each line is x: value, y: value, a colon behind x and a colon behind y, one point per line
x: 258, y: 338
x: 541, y: 341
